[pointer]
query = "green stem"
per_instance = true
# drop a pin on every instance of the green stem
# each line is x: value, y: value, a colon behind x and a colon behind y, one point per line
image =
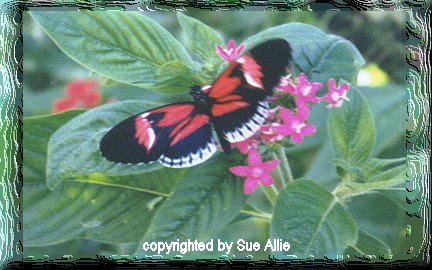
x: 257, y: 214
x: 279, y: 179
x: 284, y: 167
x: 271, y: 193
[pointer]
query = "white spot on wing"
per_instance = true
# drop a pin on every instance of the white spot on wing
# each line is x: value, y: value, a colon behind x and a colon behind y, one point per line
x: 201, y: 155
x: 151, y: 137
x: 250, y: 80
x: 251, y: 127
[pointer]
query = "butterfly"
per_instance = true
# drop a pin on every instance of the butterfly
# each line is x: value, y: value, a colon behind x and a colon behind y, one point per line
x: 181, y: 134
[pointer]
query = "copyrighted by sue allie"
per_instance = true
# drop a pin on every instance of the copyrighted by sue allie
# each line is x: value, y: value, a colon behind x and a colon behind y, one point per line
x: 219, y: 246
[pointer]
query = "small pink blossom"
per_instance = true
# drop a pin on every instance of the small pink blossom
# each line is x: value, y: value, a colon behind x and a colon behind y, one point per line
x: 295, y: 125
x: 287, y: 85
x: 305, y: 90
x: 336, y: 96
x: 246, y: 145
x: 256, y: 171
x: 231, y: 52
x: 270, y: 132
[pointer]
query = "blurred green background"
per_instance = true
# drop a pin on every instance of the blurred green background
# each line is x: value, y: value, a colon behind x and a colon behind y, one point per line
x: 379, y: 36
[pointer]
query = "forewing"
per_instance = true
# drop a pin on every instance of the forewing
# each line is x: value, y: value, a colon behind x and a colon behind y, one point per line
x: 273, y: 57
x: 238, y: 97
x: 176, y: 135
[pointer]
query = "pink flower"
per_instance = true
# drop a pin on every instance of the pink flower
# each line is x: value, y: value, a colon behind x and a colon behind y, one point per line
x: 336, y: 96
x: 287, y: 85
x: 246, y: 145
x: 294, y: 125
x: 270, y: 132
x: 79, y: 93
x: 305, y: 90
x: 231, y: 52
x: 255, y: 172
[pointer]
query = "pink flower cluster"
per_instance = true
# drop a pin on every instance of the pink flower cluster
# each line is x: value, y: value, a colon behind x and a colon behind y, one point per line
x: 282, y: 122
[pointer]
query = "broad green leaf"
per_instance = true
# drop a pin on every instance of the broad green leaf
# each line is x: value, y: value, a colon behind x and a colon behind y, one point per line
x: 125, y: 46
x: 388, y: 107
x: 203, y: 202
x: 374, y: 174
x: 352, y: 130
x: 375, y: 166
x: 201, y: 39
x: 37, y: 131
x: 79, y: 248
x: 318, y: 55
x: 368, y: 247
x: 73, y: 150
x: 389, y: 179
x: 259, y: 201
x: 380, y: 217
x: 250, y: 230
x: 312, y: 220
x: 106, y: 208
x: 111, y: 209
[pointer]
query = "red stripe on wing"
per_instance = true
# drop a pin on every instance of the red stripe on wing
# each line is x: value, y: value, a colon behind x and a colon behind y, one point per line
x: 229, y: 98
x: 189, y: 127
x: 224, y: 85
x: 173, y: 114
x: 223, y: 108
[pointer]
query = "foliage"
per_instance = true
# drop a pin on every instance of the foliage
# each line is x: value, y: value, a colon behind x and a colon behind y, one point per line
x: 345, y: 176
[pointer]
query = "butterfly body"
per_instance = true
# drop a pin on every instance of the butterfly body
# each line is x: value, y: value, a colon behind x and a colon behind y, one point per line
x: 180, y: 135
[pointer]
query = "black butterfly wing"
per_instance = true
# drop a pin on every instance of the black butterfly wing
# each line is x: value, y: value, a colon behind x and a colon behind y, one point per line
x: 176, y: 135
x: 239, y: 106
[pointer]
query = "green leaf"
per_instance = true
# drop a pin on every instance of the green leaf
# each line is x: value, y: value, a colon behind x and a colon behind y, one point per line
x: 381, y: 218
x: 105, y: 208
x: 126, y: 47
x: 388, y: 107
x: 73, y: 150
x: 352, y: 130
x: 35, y: 142
x: 384, y: 180
x: 368, y: 247
x: 375, y: 166
x: 111, y: 209
x: 250, y: 230
x: 318, y: 55
x: 201, y: 39
x: 203, y: 202
x: 312, y: 220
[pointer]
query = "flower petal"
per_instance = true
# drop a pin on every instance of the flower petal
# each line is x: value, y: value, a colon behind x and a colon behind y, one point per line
x: 266, y: 180
x: 303, y: 112
x: 231, y: 45
x: 331, y: 84
x: 284, y: 130
x: 221, y: 52
x: 240, y: 170
x: 250, y: 185
x: 254, y: 158
x: 240, y: 49
x: 286, y: 114
x: 297, y: 138
x: 270, y: 165
x: 308, y: 130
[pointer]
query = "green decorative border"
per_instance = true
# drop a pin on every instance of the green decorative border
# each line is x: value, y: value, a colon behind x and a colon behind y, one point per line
x: 418, y: 79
